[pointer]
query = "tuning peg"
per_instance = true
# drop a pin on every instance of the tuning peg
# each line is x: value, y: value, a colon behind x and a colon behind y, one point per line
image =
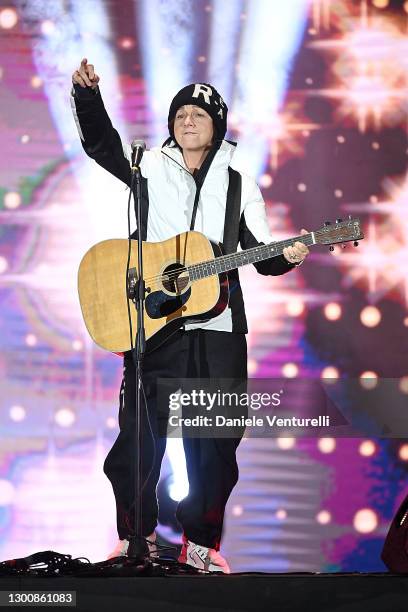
x: 339, y: 220
x: 355, y: 243
x: 331, y: 248
x: 327, y: 223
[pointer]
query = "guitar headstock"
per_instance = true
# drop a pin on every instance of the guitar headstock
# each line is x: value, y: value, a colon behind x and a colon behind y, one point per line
x: 340, y: 231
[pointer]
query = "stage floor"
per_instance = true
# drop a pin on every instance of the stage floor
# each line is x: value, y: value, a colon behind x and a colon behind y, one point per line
x: 257, y: 592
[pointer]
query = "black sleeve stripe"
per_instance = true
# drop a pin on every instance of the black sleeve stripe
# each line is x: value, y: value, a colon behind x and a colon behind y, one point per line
x: 269, y: 267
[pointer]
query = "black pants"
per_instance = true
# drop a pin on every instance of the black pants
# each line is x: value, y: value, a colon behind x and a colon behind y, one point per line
x: 211, y: 463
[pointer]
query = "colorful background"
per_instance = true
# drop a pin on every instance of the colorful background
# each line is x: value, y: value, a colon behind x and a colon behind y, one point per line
x: 317, y: 92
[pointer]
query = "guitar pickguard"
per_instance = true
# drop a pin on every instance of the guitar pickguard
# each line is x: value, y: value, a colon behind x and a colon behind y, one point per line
x: 159, y: 304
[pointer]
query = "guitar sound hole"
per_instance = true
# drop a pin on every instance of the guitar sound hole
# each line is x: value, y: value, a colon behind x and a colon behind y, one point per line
x: 175, y: 278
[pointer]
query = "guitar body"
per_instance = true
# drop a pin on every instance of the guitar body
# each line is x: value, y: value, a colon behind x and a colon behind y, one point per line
x: 172, y: 299
x: 175, y: 295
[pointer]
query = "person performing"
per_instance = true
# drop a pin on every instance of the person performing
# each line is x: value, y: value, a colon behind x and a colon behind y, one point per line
x: 185, y: 186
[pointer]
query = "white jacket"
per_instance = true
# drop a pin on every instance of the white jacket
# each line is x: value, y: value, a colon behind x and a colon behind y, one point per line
x: 171, y: 196
x: 171, y: 192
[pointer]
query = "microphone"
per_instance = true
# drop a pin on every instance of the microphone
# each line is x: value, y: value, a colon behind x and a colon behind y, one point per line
x: 138, y: 148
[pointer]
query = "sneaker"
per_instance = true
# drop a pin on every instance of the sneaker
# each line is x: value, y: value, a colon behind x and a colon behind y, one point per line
x: 120, y: 549
x: 203, y: 558
x: 122, y: 546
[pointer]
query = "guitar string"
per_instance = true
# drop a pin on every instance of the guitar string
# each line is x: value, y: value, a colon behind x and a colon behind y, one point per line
x: 196, y: 268
x: 226, y: 258
x: 229, y: 258
x: 199, y: 267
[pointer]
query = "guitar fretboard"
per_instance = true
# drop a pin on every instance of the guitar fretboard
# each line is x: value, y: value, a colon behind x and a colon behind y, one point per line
x: 243, y: 258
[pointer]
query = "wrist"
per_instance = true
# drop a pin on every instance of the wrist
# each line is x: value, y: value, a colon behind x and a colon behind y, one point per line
x: 84, y: 93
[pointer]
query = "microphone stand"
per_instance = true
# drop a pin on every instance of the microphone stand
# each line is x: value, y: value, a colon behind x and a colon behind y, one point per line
x: 138, y: 549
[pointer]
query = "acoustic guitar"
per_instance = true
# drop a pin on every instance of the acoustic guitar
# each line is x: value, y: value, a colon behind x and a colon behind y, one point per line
x: 186, y: 281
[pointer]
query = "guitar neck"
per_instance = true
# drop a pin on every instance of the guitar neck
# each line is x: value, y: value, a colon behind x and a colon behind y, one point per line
x: 243, y: 258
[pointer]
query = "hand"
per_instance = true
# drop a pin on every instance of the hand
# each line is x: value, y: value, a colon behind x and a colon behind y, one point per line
x: 296, y: 254
x: 85, y: 75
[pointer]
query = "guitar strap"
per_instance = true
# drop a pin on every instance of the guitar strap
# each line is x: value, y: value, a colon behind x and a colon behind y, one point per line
x: 232, y: 212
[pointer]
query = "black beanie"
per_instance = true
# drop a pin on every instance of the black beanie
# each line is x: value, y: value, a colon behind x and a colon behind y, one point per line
x: 205, y: 96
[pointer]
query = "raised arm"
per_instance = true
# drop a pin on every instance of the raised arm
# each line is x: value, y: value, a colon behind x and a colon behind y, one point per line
x: 99, y: 138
